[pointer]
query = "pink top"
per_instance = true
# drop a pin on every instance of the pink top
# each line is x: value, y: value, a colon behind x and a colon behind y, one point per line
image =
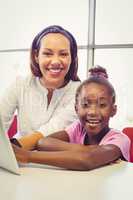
x: 77, y: 135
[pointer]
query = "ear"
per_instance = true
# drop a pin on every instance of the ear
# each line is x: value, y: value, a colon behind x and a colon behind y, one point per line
x: 114, y: 110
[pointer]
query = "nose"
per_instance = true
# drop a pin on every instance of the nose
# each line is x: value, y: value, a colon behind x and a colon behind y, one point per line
x: 55, y: 60
x: 93, y: 110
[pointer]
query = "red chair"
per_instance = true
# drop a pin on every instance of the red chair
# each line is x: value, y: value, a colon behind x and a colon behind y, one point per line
x: 129, y: 132
x: 13, y: 127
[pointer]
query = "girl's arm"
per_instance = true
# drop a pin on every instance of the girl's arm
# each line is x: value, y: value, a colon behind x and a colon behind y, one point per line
x: 85, y: 158
x: 58, y: 141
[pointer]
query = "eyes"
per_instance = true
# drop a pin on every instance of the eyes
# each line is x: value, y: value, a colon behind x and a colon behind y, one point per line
x: 88, y: 104
x: 47, y: 53
x: 50, y: 54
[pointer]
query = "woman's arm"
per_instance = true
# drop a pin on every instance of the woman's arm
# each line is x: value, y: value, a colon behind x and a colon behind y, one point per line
x: 85, y: 158
x: 29, y: 142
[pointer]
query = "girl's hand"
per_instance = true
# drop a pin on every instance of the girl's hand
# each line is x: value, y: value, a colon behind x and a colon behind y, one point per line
x: 21, y: 154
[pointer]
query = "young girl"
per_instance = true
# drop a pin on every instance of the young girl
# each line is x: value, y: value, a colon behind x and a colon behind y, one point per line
x: 89, y: 142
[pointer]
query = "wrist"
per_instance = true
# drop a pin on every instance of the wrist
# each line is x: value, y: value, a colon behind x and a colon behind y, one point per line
x: 29, y: 141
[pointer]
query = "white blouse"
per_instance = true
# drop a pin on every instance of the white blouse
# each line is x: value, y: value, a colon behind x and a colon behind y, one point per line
x: 29, y: 98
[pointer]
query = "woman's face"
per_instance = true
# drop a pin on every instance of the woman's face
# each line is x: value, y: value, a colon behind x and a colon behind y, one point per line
x: 54, y: 59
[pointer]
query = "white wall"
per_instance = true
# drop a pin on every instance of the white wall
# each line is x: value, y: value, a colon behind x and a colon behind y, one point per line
x: 21, y: 20
x: 114, y: 25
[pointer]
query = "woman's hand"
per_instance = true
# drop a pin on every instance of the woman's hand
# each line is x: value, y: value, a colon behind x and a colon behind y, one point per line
x: 21, y: 154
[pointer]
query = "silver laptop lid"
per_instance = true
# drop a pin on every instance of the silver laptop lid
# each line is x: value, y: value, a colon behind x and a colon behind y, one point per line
x: 7, y: 157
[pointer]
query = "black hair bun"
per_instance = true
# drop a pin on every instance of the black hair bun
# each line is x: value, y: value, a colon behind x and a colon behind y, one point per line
x: 98, y: 71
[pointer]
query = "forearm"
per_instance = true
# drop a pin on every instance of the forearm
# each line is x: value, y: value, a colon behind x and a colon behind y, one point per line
x: 64, y: 159
x: 54, y: 144
x: 84, y: 159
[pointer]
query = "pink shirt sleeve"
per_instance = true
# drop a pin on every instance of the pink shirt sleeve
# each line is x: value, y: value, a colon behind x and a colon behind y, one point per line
x: 75, y: 133
x: 119, y: 139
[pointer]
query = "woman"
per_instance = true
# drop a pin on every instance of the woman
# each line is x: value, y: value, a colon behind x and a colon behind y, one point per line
x: 46, y: 97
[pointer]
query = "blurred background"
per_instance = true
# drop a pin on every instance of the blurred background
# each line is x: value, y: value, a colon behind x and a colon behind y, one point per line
x: 103, y: 30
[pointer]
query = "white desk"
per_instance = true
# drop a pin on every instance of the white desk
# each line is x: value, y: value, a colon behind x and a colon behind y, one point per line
x: 113, y: 182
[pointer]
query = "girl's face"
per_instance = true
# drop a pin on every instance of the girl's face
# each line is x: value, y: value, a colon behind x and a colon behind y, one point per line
x: 95, y: 107
x: 54, y: 59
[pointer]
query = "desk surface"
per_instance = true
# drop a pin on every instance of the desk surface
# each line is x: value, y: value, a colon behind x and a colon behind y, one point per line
x: 111, y: 182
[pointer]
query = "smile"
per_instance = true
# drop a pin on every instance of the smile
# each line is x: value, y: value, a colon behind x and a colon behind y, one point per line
x: 93, y: 122
x: 55, y: 70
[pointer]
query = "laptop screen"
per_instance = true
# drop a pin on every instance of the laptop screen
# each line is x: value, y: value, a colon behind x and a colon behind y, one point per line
x: 7, y: 157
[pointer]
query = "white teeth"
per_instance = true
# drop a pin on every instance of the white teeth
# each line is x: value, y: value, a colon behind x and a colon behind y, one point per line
x: 93, y: 122
x: 54, y: 70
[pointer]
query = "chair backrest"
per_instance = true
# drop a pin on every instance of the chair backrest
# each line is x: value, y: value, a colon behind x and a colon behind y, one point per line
x: 129, y: 132
x: 13, y: 127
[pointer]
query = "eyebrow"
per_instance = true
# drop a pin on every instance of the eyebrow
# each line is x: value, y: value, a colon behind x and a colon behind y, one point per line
x: 48, y: 49
x: 97, y: 99
x: 100, y: 97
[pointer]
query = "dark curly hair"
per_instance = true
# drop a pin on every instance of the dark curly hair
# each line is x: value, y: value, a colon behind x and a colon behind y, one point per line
x: 35, y: 69
x: 97, y: 74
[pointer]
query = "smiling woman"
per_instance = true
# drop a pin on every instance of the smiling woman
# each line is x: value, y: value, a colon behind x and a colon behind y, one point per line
x: 41, y: 99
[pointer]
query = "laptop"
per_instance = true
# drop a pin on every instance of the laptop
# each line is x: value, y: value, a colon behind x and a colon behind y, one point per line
x: 7, y: 157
